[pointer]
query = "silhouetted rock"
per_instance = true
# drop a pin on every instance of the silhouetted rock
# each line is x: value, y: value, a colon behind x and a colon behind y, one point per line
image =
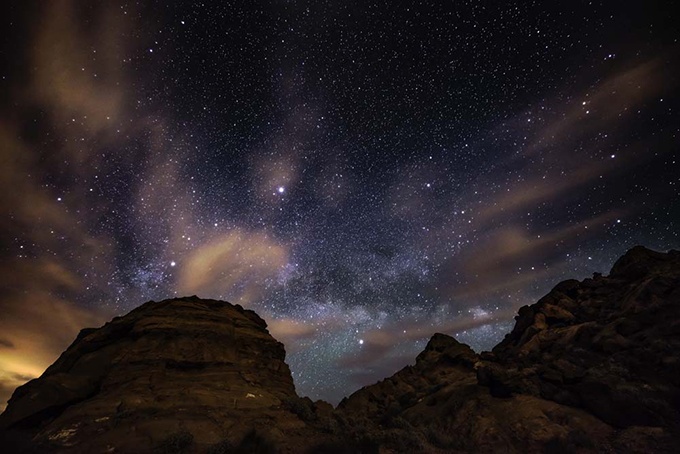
x: 609, y: 344
x: 438, y: 406
x: 170, y: 375
x: 593, y: 366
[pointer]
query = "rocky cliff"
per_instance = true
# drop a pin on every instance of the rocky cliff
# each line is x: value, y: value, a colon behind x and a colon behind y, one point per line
x: 591, y: 367
x: 178, y: 373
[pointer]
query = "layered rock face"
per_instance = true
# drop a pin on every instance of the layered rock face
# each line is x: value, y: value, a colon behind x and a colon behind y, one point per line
x: 591, y: 367
x: 179, y: 372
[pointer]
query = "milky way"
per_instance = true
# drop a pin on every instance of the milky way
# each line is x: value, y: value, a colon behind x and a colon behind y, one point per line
x: 362, y: 174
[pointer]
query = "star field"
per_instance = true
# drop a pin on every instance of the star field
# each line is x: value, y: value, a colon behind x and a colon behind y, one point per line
x: 361, y: 174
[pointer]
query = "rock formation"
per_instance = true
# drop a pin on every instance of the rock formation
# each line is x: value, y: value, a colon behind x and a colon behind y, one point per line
x: 591, y: 367
x: 608, y: 345
x: 179, y: 372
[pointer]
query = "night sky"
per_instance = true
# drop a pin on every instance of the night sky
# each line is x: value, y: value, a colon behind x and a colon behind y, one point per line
x: 362, y: 174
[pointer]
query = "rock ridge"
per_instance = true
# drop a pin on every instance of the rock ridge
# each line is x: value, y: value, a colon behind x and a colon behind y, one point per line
x: 593, y: 366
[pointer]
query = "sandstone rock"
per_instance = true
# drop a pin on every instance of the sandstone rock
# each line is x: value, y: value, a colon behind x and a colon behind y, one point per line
x: 443, y: 409
x: 184, y: 366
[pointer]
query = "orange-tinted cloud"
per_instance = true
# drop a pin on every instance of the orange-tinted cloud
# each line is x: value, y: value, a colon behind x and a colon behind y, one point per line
x: 609, y: 106
x: 510, y: 257
x: 37, y: 326
x: 379, y: 343
x: 571, y: 151
x: 291, y: 332
x: 75, y: 80
x: 78, y: 78
x: 234, y: 266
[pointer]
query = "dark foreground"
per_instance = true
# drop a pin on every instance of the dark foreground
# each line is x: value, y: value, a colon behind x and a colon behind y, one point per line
x: 591, y: 367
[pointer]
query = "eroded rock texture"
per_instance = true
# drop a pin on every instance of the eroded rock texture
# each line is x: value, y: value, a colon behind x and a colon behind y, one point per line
x: 178, y: 373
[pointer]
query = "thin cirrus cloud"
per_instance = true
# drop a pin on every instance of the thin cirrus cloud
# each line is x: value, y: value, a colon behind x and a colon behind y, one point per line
x: 39, y: 318
x: 376, y: 359
x: 291, y: 332
x: 41, y: 327
x: 566, y: 156
x: 492, y: 266
x: 609, y: 106
x: 48, y: 229
x: 578, y: 143
x: 72, y: 88
x: 235, y: 265
x: 570, y: 156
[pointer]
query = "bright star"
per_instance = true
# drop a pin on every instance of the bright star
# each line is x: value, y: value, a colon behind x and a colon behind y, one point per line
x: 281, y: 189
x: 173, y: 263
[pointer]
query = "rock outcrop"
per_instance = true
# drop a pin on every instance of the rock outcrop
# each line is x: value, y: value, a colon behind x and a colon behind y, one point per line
x: 438, y: 405
x: 608, y: 344
x: 179, y: 372
x: 591, y: 367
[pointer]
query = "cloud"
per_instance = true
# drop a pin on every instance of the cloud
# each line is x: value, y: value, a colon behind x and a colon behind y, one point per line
x: 570, y: 147
x: 509, y: 257
x: 382, y: 351
x: 50, y: 258
x: 78, y: 71
x: 572, y: 153
x: 379, y: 343
x: 610, y: 105
x: 291, y: 332
x: 379, y: 369
x: 279, y: 160
x: 9, y: 381
x: 39, y: 326
x: 271, y: 173
x: 531, y: 192
x: 236, y: 266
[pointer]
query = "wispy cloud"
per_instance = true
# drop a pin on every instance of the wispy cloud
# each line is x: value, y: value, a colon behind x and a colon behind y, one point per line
x: 235, y: 265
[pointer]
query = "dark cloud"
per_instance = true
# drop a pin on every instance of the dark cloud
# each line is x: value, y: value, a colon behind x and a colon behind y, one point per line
x: 6, y: 343
x: 363, y: 376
